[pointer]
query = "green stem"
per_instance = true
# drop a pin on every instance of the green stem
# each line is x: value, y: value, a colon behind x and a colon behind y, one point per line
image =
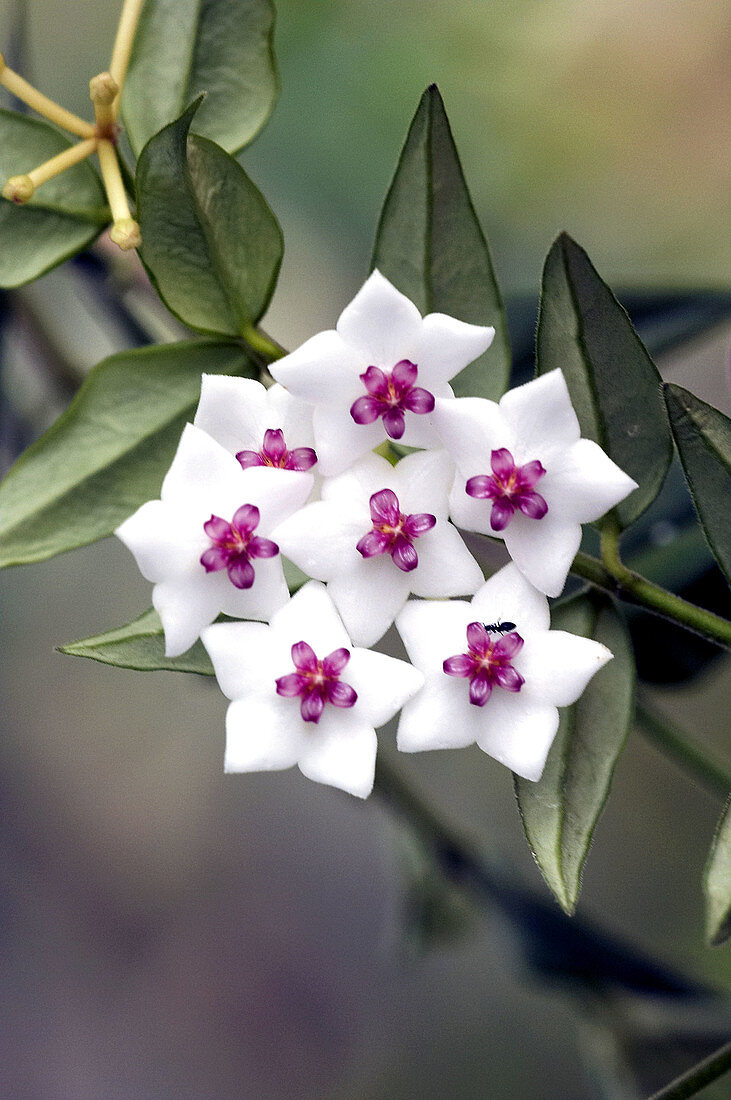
x: 614, y: 577
x: 262, y: 344
x: 691, y: 1083
x: 711, y: 774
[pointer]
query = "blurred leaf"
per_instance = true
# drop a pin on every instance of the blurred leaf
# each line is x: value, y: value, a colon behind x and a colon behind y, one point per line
x: 139, y: 645
x: 614, y: 385
x: 434, y: 911
x: 429, y: 243
x: 185, y: 47
x: 64, y: 215
x: 109, y: 451
x: 560, y: 811
x: 717, y: 882
x: 211, y: 244
x: 703, y: 438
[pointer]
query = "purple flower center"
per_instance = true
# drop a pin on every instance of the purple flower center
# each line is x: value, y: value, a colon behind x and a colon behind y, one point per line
x: 234, y: 544
x: 393, y: 532
x: 487, y: 663
x: 274, y: 453
x: 509, y: 487
x: 316, y: 682
x: 390, y: 396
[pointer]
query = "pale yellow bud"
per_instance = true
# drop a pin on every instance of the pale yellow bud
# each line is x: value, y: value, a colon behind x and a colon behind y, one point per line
x: 103, y: 89
x: 126, y: 234
x: 19, y: 189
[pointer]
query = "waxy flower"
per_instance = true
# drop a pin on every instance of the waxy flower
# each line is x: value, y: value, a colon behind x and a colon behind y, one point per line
x: 301, y: 694
x: 379, y: 533
x: 261, y: 427
x: 526, y: 476
x: 495, y: 673
x: 205, y: 543
x: 377, y: 375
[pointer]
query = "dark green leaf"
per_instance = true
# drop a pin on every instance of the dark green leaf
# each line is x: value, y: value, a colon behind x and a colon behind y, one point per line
x: 185, y: 47
x: 139, y: 645
x: 717, y: 882
x: 64, y: 215
x: 560, y: 811
x: 614, y: 385
x: 703, y: 438
x: 209, y: 241
x: 109, y: 451
x: 430, y: 244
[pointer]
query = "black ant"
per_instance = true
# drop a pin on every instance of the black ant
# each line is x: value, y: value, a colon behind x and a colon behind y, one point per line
x: 498, y: 627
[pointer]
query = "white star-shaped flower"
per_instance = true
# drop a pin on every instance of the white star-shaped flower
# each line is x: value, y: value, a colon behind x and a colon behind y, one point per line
x: 259, y: 426
x: 526, y: 476
x: 301, y: 694
x: 205, y: 543
x: 379, y: 533
x: 376, y: 375
x: 495, y: 673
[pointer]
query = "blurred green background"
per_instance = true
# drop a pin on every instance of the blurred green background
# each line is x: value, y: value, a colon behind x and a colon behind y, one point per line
x: 171, y: 932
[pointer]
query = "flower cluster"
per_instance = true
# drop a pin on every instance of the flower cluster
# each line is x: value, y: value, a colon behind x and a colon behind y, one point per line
x: 291, y: 470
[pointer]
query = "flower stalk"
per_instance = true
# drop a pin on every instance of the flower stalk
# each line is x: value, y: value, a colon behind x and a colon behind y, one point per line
x: 691, y: 1083
x: 20, y: 189
x: 125, y: 231
x: 126, y: 30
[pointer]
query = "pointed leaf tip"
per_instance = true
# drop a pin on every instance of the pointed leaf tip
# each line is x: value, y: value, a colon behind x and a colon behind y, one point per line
x: 614, y: 385
x: 703, y: 437
x: 430, y: 244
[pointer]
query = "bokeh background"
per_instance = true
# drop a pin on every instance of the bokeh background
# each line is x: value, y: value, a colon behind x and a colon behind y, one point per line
x: 170, y: 932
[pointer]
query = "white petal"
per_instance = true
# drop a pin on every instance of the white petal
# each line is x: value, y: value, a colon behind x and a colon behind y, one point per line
x: 203, y: 476
x: 433, y: 630
x: 469, y: 513
x: 421, y: 428
x: 383, y: 684
x: 263, y: 734
x: 381, y: 324
x: 518, y: 731
x: 470, y: 428
x: 446, y: 567
x: 292, y: 414
x: 543, y: 549
x: 447, y: 346
x: 508, y: 597
x: 276, y: 493
x: 440, y: 716
x: 245, y: 657
x: 422, y: 482
x: 321, y: 538
x: 185, y: 608
x: 340, y: 750
x: 541, y: 416
x: 583, y: 483
x: 339, y: 441
x: 267, y: 594
x: 164, y: 543
x: 324, y: 369
x: 368, y: 475
x: 310, y: 615
x: 231, y: 411
x: 369, y: 597
x: 557, y: 666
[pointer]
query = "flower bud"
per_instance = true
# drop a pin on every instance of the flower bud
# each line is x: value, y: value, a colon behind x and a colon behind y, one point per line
x: 126, y: 234
x: 19, y: 189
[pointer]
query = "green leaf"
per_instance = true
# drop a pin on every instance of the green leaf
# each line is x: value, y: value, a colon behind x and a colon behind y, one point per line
x: 210, y: 243
x: 140, y: 645
x: 64, y: 215
x: 185, y: 47
x: 109, y: 451
x: 703, y: 438
x: 430, y: 245
x: 560, y: 811
x: 717, y: 882
x: 614, y: 385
